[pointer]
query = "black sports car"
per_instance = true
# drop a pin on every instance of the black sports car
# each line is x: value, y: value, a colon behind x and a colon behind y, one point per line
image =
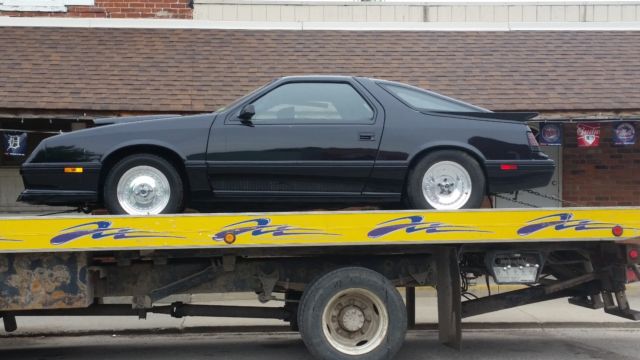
x: 298, y: 139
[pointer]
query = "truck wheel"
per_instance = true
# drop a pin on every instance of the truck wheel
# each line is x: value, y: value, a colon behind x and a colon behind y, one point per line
x: 143, y: 184
x: 352, y: 313
x: 446, y: 180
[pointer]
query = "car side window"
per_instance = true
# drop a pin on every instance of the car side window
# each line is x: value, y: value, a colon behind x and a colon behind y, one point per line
x: 424, y: 100
x: 312, y: 103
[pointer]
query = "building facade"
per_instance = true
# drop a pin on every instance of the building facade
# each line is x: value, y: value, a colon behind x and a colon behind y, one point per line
x: 162, y: 9
x: 418, y: 11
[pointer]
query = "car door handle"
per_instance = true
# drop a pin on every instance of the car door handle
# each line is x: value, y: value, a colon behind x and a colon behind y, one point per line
x: 365, y: 136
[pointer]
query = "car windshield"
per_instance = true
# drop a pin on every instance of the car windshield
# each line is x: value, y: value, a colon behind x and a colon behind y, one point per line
x: 420, y: 99
x: 240, y: 99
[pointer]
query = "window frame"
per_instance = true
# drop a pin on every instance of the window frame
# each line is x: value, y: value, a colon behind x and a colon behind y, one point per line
x: 386, y: 84
x: 233, y: 119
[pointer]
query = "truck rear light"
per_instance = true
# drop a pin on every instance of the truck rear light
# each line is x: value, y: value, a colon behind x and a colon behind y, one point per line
x: 617, y: 230
x: 631, y: 275
x: 633, y: 254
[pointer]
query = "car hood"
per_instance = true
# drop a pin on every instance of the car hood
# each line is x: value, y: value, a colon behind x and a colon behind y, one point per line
x: 130, y: 119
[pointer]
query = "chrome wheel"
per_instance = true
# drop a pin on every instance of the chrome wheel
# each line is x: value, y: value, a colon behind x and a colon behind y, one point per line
x: 446, y: 185
x: 143, y: 190
x: 355, y: 321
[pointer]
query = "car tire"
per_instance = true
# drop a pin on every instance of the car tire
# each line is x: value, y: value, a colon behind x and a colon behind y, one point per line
x: 143, y: 184
x: 375, y: 325
x: 446, y: 180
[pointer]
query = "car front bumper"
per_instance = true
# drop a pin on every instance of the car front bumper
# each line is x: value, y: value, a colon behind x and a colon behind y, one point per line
x: 529, y: 174
x: 48, y: 184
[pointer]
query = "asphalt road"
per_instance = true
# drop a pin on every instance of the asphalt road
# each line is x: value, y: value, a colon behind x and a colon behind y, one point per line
x: 497, y: 343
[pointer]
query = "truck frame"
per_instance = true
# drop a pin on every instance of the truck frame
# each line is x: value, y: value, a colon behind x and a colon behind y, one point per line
x: 336, y: 272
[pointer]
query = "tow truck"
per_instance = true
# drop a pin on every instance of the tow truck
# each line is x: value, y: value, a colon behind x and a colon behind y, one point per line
x: 337, y: 273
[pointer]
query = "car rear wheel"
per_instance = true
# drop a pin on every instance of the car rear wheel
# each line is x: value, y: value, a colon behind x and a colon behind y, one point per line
x: 446, y: 180
x: 143, y: 184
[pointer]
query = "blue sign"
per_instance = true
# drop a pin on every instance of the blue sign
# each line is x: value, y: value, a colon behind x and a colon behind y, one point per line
x: 624, y: 133
x: 550, y: 134
x: 14, y: 144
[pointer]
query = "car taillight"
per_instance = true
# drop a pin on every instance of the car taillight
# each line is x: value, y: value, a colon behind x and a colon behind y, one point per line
x: 533, y: 143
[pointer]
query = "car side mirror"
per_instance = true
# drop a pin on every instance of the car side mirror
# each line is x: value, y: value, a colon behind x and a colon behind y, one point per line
x: 247, y: 112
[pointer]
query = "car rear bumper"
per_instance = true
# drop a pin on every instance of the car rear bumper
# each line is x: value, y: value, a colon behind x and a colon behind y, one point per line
x: 528, y: 174
x: 48, y: 184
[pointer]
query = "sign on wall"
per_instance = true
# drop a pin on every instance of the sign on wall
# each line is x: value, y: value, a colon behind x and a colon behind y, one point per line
x: 588, y: 135
x: 14, y: 144
x: 550, y: 134
x: 624, y: 133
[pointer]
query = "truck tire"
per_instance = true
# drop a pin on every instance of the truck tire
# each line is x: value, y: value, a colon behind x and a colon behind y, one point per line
x: 292, y: 303
x: 446, y: 180
x: 352, y: 313
x: 143, y: 184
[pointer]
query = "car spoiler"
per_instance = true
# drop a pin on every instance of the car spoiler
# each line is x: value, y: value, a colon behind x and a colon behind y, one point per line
x: 128, y: 119
x: 513, y: 116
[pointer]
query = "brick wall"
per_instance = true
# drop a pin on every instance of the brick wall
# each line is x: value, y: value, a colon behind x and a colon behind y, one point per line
x: 170, y: 9
x: 608, y: 175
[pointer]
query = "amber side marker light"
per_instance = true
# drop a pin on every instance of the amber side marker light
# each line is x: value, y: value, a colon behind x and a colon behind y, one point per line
x: 617, y: 230
x: 229, y: 238
x: 73, y: 170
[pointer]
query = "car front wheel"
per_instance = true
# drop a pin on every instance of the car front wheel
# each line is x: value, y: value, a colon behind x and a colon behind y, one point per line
x: 143, y: 184
x: 446, y: 180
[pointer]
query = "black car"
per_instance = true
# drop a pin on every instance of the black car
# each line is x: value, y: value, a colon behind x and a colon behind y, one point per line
x: 302, y: 139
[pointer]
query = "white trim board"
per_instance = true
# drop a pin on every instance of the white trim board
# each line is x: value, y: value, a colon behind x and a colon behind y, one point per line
x: 308, y: 25
x: 41, y: 5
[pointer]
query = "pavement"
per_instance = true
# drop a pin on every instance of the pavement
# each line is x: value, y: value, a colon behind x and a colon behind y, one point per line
x: 551, y: 314
x: 487, y: 344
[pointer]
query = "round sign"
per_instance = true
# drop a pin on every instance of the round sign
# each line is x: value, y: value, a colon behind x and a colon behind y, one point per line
x: 625, y: 132
x: 550, y: 133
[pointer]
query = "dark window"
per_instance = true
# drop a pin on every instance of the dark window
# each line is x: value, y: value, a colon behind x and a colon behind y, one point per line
x: 425, y: 100
x: 317, y: 103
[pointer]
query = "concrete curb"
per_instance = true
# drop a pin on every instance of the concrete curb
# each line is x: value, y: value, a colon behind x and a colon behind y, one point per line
x: 286, y: 329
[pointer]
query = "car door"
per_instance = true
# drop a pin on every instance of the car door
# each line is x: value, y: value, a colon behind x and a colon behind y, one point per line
x: 307, y: 138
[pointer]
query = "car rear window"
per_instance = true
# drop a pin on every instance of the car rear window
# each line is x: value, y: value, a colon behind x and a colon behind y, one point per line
x: 425, y: 100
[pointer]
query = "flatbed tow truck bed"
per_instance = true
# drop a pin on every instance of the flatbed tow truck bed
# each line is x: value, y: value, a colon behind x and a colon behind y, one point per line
x: 337, y: 273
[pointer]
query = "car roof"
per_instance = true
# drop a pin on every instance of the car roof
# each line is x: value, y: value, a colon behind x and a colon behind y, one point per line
x: 316, y: 77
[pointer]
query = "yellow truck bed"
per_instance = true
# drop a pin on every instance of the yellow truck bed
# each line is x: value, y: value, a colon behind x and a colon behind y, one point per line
x: 194, y: 231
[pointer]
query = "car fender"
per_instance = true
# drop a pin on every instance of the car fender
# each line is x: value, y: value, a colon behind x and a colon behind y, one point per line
x: 442, y: 145
x: 142, y: 142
